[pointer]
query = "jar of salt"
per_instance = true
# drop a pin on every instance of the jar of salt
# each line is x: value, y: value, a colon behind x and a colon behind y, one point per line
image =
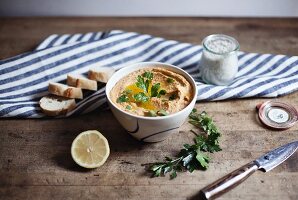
x: 219, y: 61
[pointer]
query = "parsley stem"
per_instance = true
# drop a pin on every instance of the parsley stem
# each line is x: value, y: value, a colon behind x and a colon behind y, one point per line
x: 177, y: 160
x: 196, y: 134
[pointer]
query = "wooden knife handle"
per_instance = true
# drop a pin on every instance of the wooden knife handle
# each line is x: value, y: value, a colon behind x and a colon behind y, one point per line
x: 229, y: 181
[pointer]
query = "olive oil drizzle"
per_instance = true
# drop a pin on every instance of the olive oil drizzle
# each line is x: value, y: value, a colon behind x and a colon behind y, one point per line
x: 135, y: 90
x: 140, y: 94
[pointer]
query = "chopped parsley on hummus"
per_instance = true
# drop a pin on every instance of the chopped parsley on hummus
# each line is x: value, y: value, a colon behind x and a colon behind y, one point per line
x: 152, y: 92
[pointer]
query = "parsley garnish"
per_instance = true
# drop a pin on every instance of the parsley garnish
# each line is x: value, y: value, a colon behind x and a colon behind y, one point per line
x: 151, y: 113
x: 148, y: 90
x: 123, y: 98
x: 170, y: 80
x: 162, y: 113
x: 203, y: 121
x: 144, y: 81
x: 192, y: 157
x: 173, y: 97
x: 128, y: 107
x: 161, y: 92
x: 154, y: 89
x: 141, y: 97
x: 148, y: 75
x: 142, y: 84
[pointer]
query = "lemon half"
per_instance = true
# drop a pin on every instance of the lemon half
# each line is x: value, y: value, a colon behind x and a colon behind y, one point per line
x: 90, y: 149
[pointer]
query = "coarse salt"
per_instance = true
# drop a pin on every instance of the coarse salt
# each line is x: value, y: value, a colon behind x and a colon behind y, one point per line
x: 219, y: 61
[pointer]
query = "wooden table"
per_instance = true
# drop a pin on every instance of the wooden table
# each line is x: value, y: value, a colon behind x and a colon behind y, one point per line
x: 35, y: 161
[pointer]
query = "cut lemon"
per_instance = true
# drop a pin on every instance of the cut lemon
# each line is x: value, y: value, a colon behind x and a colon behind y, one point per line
x: 90, y: 149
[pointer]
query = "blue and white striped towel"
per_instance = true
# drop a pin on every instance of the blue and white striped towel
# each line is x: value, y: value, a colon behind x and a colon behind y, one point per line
x: 24, y: 78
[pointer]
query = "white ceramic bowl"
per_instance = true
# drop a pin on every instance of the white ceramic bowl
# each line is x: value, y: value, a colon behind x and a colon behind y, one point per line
x: 149, y: 129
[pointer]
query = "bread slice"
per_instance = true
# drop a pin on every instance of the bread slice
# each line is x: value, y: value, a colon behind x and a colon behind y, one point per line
x: 101, y: 74
x: 65, y: 91
x: 54, y: 105
x: 80, y: 81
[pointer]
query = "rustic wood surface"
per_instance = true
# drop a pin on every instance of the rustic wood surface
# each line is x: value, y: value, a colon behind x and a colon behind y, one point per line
x: 35, y: 161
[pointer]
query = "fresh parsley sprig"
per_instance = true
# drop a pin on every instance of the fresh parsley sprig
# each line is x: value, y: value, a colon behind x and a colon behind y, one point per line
x: 155, y: 92
x: 141, y: 97
x: 124, y: 96
x: 192, y: 157
x: 144, y: 82
x: 153, y: 113
x: 210, y: 141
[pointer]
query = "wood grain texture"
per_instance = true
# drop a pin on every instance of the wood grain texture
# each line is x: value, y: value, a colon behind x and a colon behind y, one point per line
x: 35, y: 161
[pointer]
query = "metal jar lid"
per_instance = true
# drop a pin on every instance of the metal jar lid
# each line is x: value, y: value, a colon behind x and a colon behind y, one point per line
x: 277, y: 115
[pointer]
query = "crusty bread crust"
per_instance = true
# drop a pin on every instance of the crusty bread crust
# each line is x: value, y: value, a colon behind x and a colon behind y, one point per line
x: 81, y: 82
x: 65, y: 91
x: 101, y: 74
x: 54, y: 105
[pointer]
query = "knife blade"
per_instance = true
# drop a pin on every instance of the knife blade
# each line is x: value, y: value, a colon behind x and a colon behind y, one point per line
x: 265, y: 163
x: 272, y: 159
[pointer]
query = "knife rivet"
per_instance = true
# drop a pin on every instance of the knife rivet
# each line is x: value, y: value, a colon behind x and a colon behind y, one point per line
x: 266, y: 157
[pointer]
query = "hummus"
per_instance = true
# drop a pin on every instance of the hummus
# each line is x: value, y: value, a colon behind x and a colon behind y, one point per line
x: 152, y: 92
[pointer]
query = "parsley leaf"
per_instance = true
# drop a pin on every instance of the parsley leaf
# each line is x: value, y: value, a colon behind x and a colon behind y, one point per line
x: 192, y: 157
x: 154, y: 89
x: 141, y: 97
x: 170, y: 80
x: 151, y: 113
x: 211, y: 141
x: 147, y: 83
x: 127, y: 91
x: 203, y: 159
x: 162, y: 113
x: 148, y: 75
x: 122, y: 98
x: 144, y: 81
x: 128, y: 107
x: 160, y: 169
x: 141, y: 83
x: 161, y: 92
x: 173, y: 97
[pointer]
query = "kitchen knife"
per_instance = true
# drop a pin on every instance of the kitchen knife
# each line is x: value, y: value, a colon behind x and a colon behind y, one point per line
x: 265, y: 163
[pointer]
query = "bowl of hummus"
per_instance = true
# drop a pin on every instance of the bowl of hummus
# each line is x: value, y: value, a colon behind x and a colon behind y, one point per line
x: 151, y: 100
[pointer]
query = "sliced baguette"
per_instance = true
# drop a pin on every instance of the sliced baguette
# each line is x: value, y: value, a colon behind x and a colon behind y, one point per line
x: 101, y: 74
x: 54, y: 105
x: 65, y: 91
x: 80, y: 81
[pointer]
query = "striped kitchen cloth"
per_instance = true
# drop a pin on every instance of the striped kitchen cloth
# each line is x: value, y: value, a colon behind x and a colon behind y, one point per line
x: 24, y: 78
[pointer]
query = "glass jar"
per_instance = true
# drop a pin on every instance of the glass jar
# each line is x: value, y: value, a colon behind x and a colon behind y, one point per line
x: 219, y: 61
